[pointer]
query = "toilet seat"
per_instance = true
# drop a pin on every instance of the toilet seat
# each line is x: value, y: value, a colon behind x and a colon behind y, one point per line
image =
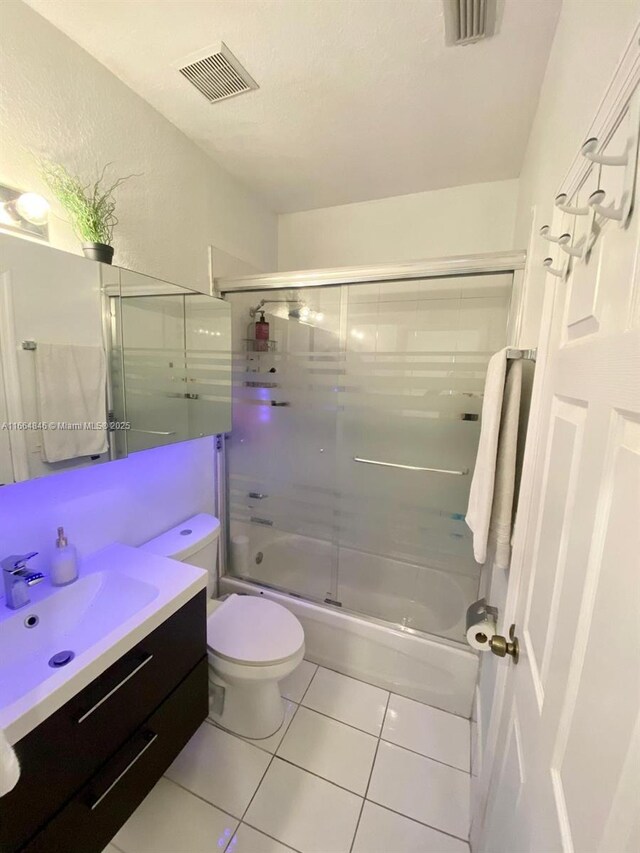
x: 253, y: 631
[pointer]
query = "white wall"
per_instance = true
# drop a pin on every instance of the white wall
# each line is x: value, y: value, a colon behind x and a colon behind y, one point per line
x: 58, y: 102
x: 456, y: 221
x: 128, y: 501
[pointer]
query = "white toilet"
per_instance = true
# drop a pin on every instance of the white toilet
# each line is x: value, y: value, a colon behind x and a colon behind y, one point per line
x: 253, y: 643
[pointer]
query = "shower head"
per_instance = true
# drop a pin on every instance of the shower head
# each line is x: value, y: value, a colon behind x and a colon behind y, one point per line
x: 290, y: 301
x: 254, y: 311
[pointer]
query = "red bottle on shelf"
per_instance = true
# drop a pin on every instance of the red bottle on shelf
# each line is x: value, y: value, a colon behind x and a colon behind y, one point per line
x: 262, y: 334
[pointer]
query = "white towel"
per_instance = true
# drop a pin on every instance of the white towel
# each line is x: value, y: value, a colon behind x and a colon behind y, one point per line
x: 506, y: 464
x: 481, y: 492
x: 71, y: 388
x: 9, y: 766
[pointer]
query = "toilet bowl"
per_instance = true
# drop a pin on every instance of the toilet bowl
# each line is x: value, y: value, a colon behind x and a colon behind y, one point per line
x: 252, y: 643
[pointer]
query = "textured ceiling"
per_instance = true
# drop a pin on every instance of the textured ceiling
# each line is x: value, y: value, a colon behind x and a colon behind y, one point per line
x: 358, y: 99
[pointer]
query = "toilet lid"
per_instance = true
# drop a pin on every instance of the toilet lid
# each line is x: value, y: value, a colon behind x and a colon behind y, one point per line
x: 253, y: 630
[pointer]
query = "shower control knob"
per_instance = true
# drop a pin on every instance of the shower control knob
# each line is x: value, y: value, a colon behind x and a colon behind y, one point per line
x: 500, y: 646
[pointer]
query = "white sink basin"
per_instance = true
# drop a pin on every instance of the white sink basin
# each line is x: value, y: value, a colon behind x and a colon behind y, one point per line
x: 122, y: 594
x: 72, y: 619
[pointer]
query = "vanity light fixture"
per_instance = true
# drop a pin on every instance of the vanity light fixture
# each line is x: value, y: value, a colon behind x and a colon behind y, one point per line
x: 24, y: 212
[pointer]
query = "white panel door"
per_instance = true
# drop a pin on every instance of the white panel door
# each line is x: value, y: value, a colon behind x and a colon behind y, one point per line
x: 567, y: 772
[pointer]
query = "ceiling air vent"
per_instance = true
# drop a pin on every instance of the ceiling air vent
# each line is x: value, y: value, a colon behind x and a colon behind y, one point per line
x: 217, y: 75
x: 468, y: 21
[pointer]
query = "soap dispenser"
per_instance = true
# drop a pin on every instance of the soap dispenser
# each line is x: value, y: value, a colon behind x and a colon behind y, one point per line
x: 64, y: 566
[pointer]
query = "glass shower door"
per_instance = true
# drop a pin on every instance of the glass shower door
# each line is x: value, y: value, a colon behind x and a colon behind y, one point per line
x: 355, y: 429
x: 282, y: 450
x: 408, y: 429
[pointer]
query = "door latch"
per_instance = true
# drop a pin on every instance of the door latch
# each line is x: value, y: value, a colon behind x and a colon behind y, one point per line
x: 500, y: 646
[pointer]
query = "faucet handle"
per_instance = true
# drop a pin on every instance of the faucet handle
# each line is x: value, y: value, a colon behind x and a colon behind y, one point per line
x: 16, y: 562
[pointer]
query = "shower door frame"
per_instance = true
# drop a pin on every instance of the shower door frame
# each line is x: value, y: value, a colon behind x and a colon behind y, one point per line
x: 449, y: 267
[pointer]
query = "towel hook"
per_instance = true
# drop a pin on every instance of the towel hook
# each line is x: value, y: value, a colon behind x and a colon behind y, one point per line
x: 545, y: 233
x: 610, y: 211
x: 588, y: 151
x: 621, y: 212
x: 576, y: 251
x: 582, y: 248
x: 561, y: 204
x: 558, y: 273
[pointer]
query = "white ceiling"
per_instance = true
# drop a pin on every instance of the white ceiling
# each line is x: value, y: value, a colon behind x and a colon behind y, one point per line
x: 358, y: 99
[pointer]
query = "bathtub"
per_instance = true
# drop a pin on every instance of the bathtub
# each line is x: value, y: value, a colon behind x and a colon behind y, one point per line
x: 437, y: 670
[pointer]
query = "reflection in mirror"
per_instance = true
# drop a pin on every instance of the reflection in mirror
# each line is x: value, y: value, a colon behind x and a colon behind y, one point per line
x: 97, y: 362
x: 53, y: 362
x: 176, y: 358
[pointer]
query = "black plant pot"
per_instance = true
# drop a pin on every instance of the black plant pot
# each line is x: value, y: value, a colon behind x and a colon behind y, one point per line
x: 98, y: 252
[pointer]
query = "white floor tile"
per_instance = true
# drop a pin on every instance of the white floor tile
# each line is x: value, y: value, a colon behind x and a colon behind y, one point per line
x: 330, y: 749
x: 303, y: 811
x: 345, y: 699
x: 171, y: 819
x: 421, y: 788
x: 381, y: 831
x: 294, y: 685
x: 429, y: 731
x: 221, y: 768
x: 248, y: 840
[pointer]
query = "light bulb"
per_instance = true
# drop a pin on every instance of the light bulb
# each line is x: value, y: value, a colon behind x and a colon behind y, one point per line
x: 305, y: 311
x: 33, y: 207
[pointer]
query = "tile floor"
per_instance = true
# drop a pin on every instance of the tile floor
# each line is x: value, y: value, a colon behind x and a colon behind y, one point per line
x: 353, y: 769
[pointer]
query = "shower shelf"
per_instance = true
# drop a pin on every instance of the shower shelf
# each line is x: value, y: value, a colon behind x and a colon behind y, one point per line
x: 251, y: 348
x: 251, y: 345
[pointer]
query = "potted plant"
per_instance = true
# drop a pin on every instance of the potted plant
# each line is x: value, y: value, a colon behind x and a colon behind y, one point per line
x: 91, y: 208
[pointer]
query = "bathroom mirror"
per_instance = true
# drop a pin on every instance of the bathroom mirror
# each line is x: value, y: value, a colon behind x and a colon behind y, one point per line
x: 97, y: 362
x: 171, y: 355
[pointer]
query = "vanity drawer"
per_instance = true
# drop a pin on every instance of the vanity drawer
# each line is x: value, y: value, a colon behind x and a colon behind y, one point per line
x: 94, y: 815
x: 67, y: 748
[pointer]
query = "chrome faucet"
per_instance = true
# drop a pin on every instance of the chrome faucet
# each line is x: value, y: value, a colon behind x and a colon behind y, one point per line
x: 17, y: 579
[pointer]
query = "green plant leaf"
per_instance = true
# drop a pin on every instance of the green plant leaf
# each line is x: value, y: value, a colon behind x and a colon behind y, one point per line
x: 91, y: 207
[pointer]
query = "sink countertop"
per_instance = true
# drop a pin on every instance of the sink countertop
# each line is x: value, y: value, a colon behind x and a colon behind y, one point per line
x: 176, y: 583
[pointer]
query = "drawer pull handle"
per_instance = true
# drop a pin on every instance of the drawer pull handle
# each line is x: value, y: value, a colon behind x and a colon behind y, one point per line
x: 152, y: 737
x: 115, y: 689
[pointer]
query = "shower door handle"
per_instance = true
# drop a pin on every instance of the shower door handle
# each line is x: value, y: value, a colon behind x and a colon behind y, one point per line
x: 410, y: 467
x: 154, y: 431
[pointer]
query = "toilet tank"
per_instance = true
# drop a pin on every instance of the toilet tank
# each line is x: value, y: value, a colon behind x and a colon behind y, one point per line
x: 194, y: 541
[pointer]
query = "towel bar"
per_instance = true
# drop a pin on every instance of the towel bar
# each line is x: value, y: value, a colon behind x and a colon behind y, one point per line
x: 529, y: 354
x: 410, y: 467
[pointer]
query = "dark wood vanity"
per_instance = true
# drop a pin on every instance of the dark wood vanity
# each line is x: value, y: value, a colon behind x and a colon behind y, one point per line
x: 86, y: 768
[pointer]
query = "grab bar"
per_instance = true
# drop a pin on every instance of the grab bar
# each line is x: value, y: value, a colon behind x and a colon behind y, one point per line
x: 410, y: 467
